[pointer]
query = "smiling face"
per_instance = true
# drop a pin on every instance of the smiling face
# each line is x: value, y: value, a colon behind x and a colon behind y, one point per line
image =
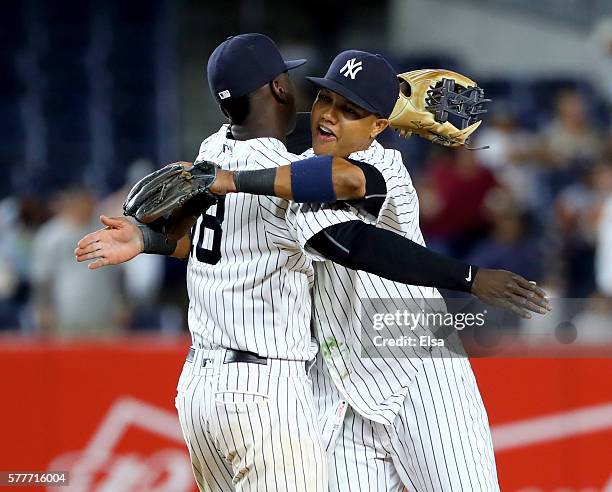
x: 340, y: 127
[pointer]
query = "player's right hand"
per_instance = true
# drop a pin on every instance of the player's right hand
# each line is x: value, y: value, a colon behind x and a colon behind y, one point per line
x: 508, y: 290
x: 224, y: 183
x: 120, y: 241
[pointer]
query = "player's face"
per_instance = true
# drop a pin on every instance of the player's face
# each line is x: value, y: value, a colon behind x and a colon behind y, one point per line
x: 340, y: 127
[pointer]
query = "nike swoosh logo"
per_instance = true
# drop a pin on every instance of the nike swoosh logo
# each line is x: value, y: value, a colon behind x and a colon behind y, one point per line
x: 469, y: 277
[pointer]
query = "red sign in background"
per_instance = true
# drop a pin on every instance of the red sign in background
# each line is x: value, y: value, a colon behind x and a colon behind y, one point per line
x: 105, y: 412
x: 551, y: 421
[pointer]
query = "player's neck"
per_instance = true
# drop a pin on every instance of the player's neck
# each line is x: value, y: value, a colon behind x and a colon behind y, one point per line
x: 247, y: 132
x: 266, y: 119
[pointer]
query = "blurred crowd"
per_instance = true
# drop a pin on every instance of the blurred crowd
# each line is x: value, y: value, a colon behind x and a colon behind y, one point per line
x: 88, y: 88
x: 537, y: 202
x: 44, y: 291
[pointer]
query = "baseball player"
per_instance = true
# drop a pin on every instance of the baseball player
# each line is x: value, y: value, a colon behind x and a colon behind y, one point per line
x: 244, y: 398
x: 249, y: 460
x: 411, y: 421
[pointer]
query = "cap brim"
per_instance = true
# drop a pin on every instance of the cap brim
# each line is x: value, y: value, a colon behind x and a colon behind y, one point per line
x: 334, y: 86
x: 291, y: 64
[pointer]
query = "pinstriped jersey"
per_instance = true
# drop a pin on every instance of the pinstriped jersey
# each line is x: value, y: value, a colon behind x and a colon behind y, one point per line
x: 375, y: 387
x: 248, y: 280
x: 249, y: 288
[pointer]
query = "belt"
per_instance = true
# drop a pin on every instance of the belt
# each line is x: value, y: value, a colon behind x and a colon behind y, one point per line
x: 234, y: 356
x: 241, y: 356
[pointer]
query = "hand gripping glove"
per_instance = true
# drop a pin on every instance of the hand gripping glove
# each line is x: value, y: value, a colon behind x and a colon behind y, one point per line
x: 163, y: 193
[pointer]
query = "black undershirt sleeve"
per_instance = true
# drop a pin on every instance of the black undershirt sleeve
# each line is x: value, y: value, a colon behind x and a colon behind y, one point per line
x: 360, y: 246
x: 376, y: 189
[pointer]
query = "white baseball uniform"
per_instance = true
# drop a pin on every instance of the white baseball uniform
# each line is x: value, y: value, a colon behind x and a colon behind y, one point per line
x: 411, y: 420
x: 250, y: 426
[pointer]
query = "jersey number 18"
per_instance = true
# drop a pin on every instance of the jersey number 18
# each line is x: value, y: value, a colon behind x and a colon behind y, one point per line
x: 213, y: 222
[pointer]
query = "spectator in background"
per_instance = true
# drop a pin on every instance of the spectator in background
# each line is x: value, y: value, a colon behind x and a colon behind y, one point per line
x: 571, y: 137
x: 601, y: 40
x: 510, y: 245
x: 508, y: 143
x: 452, y: 195
x: 603, y: 263
x: 603, y: 268
x: 69, y: 301
x: 569, y: 145
x: 144, y: 275
x: 20, y: 216
x: 578, y: 213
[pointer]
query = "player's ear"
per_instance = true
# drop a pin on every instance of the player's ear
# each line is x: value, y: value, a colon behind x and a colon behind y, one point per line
x: 280, y: 89
x: 378, y: 126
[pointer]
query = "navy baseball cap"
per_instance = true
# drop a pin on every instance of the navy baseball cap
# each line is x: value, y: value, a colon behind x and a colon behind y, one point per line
x: 243, y: 63
x: 365, y: 79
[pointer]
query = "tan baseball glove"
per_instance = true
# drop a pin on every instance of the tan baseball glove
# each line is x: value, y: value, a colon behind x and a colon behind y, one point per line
x: 439, y: 105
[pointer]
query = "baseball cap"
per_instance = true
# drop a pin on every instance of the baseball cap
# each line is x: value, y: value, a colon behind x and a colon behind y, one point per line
x: 243, y: 63
x: 365, y: 79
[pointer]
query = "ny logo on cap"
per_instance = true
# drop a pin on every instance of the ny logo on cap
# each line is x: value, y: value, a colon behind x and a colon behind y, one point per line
x: 351, y: 67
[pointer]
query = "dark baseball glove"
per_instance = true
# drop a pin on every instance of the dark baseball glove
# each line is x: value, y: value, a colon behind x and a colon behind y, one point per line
x: 439, y: 105
x: 171, y: 193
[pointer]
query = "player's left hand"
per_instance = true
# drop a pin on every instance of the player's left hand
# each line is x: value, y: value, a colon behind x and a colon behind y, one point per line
x: 508, y: 290
x: 165, y: 191
x: 223, y: 183
x: 118, y: 242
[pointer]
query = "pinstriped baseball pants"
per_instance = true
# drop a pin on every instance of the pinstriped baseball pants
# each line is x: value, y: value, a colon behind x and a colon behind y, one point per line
x: 250, y: 427
x: 439, y: 441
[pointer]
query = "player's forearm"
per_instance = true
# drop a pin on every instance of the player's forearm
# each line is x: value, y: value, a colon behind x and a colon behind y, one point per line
x: 361, y: 246
x: 319, y: 180
x: 183, y: 247
x: 158, y: 243
x: 347, y: 181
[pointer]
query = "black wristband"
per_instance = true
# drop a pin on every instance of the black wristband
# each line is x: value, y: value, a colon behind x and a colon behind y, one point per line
x: 156, y: 243
x: 258, y: 182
